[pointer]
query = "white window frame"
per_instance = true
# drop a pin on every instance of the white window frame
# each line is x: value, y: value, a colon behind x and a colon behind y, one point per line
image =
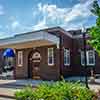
x: 66, y: 54
x: 88, y: 57
x: 52, y: 55
x: 20, y: 57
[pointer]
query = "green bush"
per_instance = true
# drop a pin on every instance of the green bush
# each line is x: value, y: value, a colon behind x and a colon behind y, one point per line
x: 56, y: 91
x: 25, y: 94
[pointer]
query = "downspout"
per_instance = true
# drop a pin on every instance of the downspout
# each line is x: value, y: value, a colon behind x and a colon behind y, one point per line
x: 60, y: 57
x: 60, y: 54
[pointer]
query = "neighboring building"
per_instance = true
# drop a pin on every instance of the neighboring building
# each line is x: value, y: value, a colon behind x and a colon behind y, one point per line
x: 49, y: 53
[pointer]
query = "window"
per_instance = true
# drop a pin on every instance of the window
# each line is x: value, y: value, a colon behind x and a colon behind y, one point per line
x: 50, y: 56
x: 90, y: 57
x: 82, y: 58
x: 66, y: 57
x: 20, y: 58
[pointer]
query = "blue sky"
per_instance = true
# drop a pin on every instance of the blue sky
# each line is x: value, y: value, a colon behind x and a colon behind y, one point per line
x: 18, y: 16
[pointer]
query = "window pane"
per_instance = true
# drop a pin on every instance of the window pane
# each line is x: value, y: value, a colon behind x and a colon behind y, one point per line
x: 20, y: 58
x: 82, y: 58
x: 91, y: 60
x: 50, y: 56
x: 66, y: 57
x: 91, y: 57
x: 50, y: 60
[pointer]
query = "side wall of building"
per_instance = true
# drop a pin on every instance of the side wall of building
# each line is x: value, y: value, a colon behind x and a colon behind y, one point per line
x: 78, y: 69
x: 46, y: 72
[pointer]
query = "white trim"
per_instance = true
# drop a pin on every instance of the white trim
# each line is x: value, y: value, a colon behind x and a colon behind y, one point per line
x: 93, y: 52
x: 52, y: 55
x: 20, y: 57
x: 28, y: 37
x: 67, y: 53
x: 87, y: 57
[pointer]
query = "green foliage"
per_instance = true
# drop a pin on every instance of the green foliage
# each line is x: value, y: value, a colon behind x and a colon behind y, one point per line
x: 25, y: 94
x: 96, y: 9
x: 95, y: 30
x: 56, y: 91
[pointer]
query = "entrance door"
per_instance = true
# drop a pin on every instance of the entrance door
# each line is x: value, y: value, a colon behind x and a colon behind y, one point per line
x: 35, y: 64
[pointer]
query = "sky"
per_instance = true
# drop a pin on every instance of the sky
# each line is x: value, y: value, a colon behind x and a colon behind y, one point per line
x: 20, y: 16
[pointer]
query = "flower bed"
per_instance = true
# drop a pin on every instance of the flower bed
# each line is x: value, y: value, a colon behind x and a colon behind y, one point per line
x: 55, y: 91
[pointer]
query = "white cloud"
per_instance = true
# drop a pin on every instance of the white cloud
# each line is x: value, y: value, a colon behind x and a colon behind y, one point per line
x: 55, y: 16
x: 53, y: 12
x: 4, y: 35
x: 16, y: 27
x: 73, y: 26
x: 40, y: 25
x: 15, y: 24
x: 2, y: 10
x: 79, y: 10
x: 1, y: 26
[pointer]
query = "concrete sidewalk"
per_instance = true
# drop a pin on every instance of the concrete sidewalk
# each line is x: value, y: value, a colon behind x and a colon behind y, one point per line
x: 7, y: 92
x: 8, y: 87
x: 36, y: 82
x: 20, y: 82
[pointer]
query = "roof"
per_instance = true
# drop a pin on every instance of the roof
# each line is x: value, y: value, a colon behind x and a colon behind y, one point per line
x: 70, y: 33
x: 53, y: 30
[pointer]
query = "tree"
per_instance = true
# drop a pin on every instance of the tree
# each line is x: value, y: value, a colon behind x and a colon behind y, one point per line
x: 94, y: 31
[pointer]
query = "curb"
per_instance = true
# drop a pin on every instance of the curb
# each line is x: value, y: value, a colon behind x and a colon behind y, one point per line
x: 20, y: 85
x: 7, y: 96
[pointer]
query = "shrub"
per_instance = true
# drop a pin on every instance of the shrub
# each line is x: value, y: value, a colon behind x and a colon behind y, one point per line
x: 56, y: 91
x: 25, y: 94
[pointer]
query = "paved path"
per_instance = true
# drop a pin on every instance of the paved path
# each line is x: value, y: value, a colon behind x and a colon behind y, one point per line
x: 2, y: 98
x: 20, y: 82
x: 7, y: 93
x: 8, y: 87
x: 94, y: 87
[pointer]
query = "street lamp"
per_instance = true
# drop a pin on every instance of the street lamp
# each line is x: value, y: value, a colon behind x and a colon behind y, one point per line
x: 85, y: 59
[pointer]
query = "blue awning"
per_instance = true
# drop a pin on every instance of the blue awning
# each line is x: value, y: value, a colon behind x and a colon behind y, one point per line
x: 8, y: 53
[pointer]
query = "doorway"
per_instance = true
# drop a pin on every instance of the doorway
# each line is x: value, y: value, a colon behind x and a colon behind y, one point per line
x: 34, y: 64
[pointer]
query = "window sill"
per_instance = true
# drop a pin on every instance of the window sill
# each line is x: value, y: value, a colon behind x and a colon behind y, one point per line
x: 50, y: 64
x: 66, y: 64
x: 20, y: 65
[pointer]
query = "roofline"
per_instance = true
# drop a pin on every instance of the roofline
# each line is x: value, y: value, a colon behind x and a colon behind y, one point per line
x: 51, y: 29
x: 45, y: 29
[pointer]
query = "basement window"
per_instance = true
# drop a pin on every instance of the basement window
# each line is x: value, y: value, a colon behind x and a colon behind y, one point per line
x: 50, y: 56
